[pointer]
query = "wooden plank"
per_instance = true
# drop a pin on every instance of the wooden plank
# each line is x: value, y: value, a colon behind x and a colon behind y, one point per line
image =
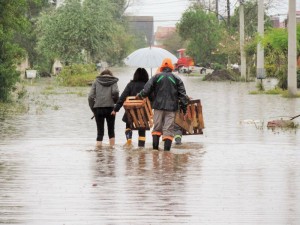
x: 149, y: 117
x: 140, y: 118
x: 194, y: 116
x: 135, y: 121
x: 194, y: 121
x: 130, y: 120
x: 144, y: 116
x: 148, y: 107
x: 140, y: 112
x: 185, y: 124
x: 200, y: 115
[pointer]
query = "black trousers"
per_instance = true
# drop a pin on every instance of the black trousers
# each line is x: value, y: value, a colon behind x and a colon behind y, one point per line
x: 102, y: 114
x: 141, y: 132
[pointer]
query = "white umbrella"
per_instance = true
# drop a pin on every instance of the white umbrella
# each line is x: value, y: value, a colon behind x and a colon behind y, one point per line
x: 150, y: 57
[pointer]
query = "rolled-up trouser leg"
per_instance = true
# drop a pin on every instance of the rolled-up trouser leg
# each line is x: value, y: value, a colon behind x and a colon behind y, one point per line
x: 168, y: 124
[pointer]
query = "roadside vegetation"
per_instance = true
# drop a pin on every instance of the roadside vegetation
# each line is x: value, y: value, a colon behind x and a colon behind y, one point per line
x: 77, y: 32
x: 80, y: 33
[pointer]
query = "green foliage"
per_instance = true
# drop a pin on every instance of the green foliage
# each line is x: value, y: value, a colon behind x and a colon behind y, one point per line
x: 283, y: 79
x: 250, y: 13
x: 77, y: 33
x: 202, y: 31
x: 173, y: 43
x: 28, y: 37
x: 12, y: 20
x: 275, y: 43
x: 276, y: 39
x: 217, y: 66
x: 77, y: 75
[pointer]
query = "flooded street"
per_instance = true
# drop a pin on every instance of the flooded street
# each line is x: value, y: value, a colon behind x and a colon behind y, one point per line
x: 237, y: 172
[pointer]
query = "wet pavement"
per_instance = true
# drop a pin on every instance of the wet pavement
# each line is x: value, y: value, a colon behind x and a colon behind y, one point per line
x: 238, y: 172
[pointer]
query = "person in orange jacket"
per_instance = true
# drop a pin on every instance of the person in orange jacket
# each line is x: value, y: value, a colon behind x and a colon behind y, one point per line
x: 167, y: 89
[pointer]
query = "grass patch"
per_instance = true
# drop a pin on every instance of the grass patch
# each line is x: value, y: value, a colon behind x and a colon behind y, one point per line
x: 77, y: 75
x: 275, y: 91
x: 12, y: 108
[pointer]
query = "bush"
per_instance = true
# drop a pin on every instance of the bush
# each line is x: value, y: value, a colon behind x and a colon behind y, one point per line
x: 282, y: 80
x: 77, y: 75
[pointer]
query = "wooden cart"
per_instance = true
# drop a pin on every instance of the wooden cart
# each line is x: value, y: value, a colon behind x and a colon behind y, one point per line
x: 194, y: 123
x: 139, y: 113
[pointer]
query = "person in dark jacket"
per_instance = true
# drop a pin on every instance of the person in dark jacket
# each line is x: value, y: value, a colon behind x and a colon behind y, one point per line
x: 102, y: 97
x: 140, y: 78
x: 167, y: 89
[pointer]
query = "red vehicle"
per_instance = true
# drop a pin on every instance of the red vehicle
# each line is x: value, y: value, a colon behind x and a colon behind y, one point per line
x: 184, y: 62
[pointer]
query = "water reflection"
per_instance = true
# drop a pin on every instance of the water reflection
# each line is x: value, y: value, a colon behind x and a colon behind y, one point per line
x: 143, y: 184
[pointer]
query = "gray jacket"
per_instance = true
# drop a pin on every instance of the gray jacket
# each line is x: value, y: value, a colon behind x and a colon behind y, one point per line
x: 104, y: 92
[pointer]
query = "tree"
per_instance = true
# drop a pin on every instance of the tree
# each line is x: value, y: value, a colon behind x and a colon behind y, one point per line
x: 174, y: 42
x: 275, y: 42
x: 90, y: 27
x: 12, y: 20
x: 250, y: 9
x: 202, y: 31
x: 28, y: 37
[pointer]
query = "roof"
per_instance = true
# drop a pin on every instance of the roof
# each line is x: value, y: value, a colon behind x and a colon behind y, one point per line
x: 164, y: 32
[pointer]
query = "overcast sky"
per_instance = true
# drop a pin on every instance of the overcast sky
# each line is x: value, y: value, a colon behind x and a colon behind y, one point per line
x: 168, y: 12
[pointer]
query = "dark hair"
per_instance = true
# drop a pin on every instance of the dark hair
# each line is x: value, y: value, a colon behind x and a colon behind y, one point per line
x: 141, y: 75
x: 106, y: 72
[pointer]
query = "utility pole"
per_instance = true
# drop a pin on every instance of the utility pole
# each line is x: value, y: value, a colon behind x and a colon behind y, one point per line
x: 217, y: 9
x: 260, y: 64
x: 292, y: 49
x: 242, y: 40
x: 228, y: 13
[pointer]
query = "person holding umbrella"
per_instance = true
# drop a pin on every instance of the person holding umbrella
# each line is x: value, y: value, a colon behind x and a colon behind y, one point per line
x: 167, y: 89
x: 140, y: 78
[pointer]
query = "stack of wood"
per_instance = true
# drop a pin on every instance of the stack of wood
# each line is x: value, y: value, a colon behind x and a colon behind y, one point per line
x: 139, y: 113
x: 194, y: 123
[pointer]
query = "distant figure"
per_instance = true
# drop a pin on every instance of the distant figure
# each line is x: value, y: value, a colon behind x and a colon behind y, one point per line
x: 168, y: 89
x: 98, y: 66
x: 140, y: 78
x: 103, y: 95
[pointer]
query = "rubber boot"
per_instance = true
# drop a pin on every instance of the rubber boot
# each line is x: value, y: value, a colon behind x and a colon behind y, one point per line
x: 128, y: 134
x: 141, y: 141
x: 155, y: 142
x: 178, y: 139
x: 168, y: 144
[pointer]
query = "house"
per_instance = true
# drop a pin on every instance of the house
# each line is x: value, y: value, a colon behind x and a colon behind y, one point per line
x: 142, y: 25
x: 162, y: 34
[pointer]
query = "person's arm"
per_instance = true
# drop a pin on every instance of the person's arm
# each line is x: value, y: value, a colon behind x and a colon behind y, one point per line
x: 122, y: 98
x: 183, y: 98
x: 148, y: 88
x: 92, y: 96
x: 115, y: 92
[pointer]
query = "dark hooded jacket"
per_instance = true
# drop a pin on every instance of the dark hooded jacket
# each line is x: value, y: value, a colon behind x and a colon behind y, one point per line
x: 132, y: 89
x: 168, y: 90
x: 104, y: 92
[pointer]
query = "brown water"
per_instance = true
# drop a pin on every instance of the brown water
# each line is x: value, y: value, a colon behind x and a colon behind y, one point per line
x: 238, y: 172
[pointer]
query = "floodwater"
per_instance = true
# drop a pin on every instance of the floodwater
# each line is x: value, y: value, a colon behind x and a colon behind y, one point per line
x: 237, y: 172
